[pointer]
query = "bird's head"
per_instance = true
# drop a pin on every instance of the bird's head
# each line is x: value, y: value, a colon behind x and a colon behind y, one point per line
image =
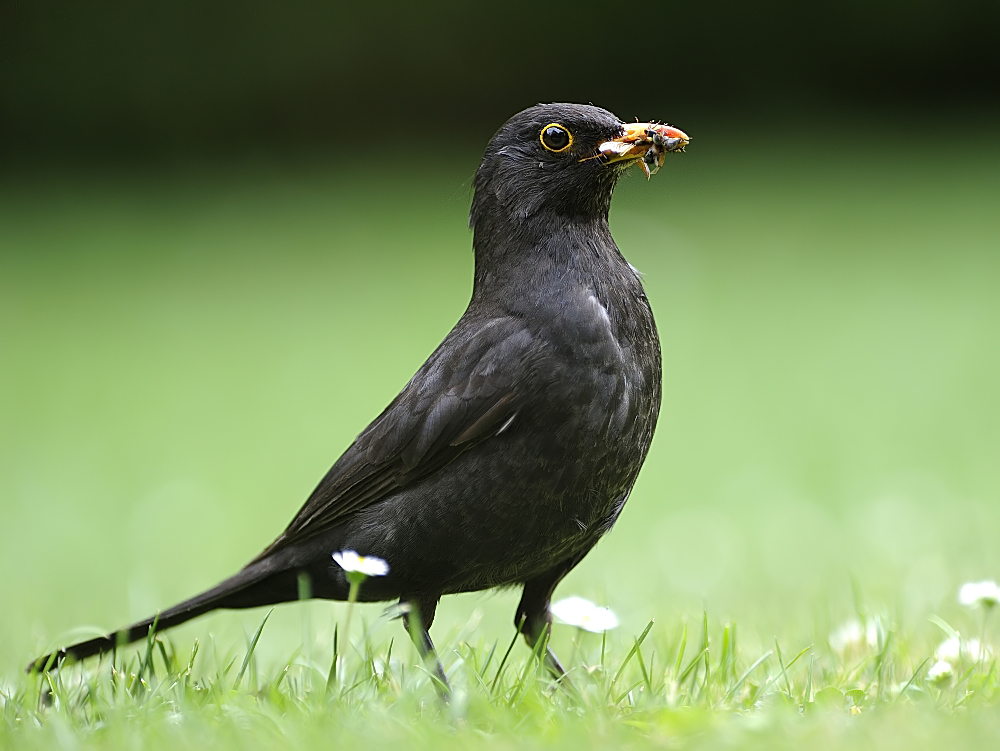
x: 563, y: 160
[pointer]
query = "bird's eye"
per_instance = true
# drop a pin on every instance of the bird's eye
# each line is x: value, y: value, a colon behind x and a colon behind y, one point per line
x: 556, y: 138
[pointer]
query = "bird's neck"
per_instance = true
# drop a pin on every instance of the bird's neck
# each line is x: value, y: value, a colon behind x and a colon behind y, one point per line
x: 543, y: 250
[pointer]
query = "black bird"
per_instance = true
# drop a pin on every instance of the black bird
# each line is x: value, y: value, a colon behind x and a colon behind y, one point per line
x: 515, y: 446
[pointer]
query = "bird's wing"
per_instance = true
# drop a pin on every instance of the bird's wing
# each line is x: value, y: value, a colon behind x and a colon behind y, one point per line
x: 469, y: 389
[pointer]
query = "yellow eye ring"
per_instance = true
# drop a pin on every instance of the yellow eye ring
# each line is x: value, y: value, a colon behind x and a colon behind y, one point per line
x: 555, y: 138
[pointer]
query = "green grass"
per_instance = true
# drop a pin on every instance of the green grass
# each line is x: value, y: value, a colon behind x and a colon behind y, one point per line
x: 184, y: 353
x: 676, y: 687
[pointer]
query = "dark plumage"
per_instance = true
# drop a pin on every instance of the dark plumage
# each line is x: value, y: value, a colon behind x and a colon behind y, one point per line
x: 515, y: 446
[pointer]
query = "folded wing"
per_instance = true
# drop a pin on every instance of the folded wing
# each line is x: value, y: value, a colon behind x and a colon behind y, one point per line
x: 470, y: 389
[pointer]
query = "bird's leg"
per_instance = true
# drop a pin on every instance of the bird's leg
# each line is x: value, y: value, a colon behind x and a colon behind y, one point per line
x: 418, y: 615
x: 533, y: 618
x: 535, y: 622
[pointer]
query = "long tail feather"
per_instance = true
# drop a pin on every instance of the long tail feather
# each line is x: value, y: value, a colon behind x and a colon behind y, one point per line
x: 257, y: 584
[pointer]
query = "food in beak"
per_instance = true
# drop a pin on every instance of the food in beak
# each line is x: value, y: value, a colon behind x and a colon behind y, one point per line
x: 646, y: 144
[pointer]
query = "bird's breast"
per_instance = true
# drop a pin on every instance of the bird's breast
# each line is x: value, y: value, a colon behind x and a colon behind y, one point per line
x: 605, y: 331
x: 603, y: 377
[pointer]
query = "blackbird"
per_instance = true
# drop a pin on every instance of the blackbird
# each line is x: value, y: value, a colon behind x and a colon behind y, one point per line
x: 515, y: 446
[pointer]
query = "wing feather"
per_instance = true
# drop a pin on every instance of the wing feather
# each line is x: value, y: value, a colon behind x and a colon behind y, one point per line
x: 469, y: 390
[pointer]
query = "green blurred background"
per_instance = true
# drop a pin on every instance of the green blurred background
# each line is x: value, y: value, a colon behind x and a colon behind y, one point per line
x: 230, y: 233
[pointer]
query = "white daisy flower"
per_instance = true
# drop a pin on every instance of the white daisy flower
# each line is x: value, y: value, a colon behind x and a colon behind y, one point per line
x: 353, y: 563
x: 940, y: 672
x: 955, y: 649
x: 984, y: 594
x: 584, y: 614
x: 852, y: 636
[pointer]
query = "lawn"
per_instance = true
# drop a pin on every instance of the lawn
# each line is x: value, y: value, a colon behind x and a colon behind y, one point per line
x: 186, y: 349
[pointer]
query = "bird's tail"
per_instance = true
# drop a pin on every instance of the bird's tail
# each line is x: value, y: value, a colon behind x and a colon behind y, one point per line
x: 257, y: 584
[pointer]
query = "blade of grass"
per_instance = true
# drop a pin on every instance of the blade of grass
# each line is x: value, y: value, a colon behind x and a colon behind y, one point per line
x: 807, y: 696
x: 642, y: 669
x: 726, y: 656
x: 539, y: 649
x: 747, y: 673
x: 489, y: 658
x: 781, y: 664
x: 638, y: 643
x: 692, y: 665
x: 147, y: 660
x: 680, y: 650
x: 503, y: 662
x: 331, y: 677
x: 253, y: 646
x: 912, y: 679
x: 945, y: 626
x: 627, y: 691
x: 967, y: 699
